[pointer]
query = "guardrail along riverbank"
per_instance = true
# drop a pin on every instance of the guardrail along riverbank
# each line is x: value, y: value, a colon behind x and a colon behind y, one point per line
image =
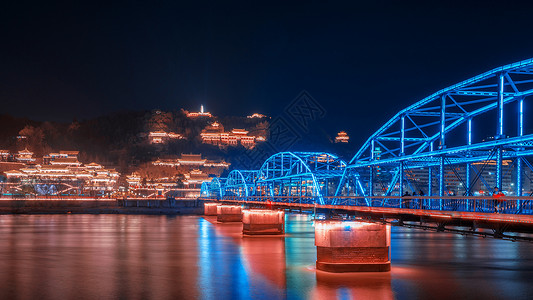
x: 90, y: 205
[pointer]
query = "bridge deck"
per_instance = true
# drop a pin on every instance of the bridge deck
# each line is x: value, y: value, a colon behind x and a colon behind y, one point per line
x: 475, y: 209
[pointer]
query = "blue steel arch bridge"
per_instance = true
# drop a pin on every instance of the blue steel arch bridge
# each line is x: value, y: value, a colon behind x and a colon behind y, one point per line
x: 441, y: 156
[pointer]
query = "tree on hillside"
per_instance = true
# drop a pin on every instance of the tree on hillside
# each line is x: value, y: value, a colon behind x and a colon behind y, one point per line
x: 34, y: 140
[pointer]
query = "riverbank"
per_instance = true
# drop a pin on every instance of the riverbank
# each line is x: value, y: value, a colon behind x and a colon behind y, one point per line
x: 169, y: 206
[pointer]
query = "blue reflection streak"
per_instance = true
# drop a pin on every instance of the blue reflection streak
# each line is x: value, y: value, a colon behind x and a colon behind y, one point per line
x: 221, y: 267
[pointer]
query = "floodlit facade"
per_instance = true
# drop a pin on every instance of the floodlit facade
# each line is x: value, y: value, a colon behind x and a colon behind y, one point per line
x: 191, y: 160
x: 214, y: 134
x: 256, y: 116
x: 342, y: 137
x: 4, y: 155
x: 24, y: 156
x: 161, y: 137
x: 201, y: 113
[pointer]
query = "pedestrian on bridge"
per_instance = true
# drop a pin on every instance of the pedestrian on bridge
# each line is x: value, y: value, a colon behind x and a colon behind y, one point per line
x: 497, y: 195
x: 405, y: 202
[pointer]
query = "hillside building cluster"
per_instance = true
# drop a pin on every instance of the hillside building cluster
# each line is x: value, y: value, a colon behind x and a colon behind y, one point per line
x: 184, y: 176
x: 63, y: 170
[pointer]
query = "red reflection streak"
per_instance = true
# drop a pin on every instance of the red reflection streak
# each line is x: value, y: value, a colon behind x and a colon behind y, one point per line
x: 264, y: 255
x: 353, y: 285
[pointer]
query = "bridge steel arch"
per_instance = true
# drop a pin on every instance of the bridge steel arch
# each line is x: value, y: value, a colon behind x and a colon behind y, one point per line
x: 240, y: 183
x: 467, y: 135
x: 213, y: 188
x: 297, y: 174
x: 204, y: 189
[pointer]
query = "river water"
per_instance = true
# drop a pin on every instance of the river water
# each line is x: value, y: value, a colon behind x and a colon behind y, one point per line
x: 191, y: 257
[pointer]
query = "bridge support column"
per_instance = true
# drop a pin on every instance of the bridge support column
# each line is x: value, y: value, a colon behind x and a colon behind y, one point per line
x: 210, y: 209
x: 349, y: 246
x: 263, y: 222
x: 229, y: 213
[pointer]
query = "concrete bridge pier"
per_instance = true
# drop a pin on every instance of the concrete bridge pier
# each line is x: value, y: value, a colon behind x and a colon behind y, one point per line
x: 229, y: 213
x: 351, y: 246
x: 210, y: 209
x: 263, y: 222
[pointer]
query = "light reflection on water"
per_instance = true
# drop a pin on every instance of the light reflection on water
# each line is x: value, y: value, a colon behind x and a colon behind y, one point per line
x: 188, y: 257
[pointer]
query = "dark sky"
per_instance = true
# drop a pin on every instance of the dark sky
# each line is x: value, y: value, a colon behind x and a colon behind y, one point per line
x: 362, y: 62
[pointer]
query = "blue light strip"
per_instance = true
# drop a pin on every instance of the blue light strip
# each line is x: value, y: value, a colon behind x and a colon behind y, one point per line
x: 521, y: 117
x: 500, y: 106
x: 400, y: 172
x: 372, y: 149
x: 402, y: 139
x: 443, y: 122
x: 467, y: 169
x: 470, y: 131
x: 499, y: 161
x: 519, y: 159
x: 441, y: 181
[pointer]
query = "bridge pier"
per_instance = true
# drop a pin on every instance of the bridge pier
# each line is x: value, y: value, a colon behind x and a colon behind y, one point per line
x: 229, y: 213
x: 350, y: 246
x: 210, y: 209
x: 263, y: 222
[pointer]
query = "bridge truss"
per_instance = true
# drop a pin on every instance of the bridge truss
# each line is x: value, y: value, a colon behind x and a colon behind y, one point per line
x: 294, y: 174
x: 468, y: 137
x: 432, y: 147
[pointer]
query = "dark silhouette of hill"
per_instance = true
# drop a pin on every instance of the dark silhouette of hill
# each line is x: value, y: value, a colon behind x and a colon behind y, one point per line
x: 121, y: 139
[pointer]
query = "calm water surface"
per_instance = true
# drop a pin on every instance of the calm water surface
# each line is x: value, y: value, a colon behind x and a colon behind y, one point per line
x: 189, y: 257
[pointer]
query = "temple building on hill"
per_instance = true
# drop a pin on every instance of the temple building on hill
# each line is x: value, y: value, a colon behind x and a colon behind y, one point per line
x: 134, y: 180
x: 69, y: 158
x: 256, y: 116
x: 191, y: 160
x: 24, y: 156
x: 201, y: 113
x: 342, y: 137
x: 195, y: 178
x: 214, y: 134
x: 160, y: 137
x: 5, y: 155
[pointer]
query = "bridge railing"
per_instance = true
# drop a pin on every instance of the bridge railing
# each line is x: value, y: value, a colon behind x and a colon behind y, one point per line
x: 503, y: 205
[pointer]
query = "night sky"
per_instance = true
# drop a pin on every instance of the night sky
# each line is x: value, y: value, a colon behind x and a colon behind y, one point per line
x: 361, y: 62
